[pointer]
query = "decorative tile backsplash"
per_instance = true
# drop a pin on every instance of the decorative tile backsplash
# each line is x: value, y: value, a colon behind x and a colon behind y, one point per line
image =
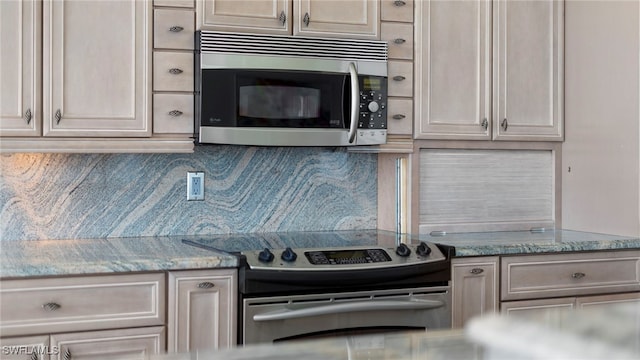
x: 247, y: 189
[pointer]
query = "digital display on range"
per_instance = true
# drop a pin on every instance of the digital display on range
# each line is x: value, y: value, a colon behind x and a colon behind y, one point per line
x: 345, y: 257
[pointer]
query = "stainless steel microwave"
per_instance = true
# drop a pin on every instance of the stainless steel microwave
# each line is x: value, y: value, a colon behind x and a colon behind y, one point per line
x: 272, y: 90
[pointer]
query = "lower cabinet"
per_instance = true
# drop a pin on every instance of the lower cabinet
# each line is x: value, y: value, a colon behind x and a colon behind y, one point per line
x: 475, y: 288
x: 202, y: 310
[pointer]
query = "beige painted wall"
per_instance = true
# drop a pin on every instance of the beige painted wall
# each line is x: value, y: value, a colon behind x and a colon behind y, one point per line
x: 601, y: 192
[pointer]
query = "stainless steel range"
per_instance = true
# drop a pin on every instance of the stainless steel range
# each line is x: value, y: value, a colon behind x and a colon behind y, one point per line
x: 328, y: 287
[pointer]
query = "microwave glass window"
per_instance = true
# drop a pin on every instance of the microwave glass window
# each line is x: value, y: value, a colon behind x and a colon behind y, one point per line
x: 278, y: 102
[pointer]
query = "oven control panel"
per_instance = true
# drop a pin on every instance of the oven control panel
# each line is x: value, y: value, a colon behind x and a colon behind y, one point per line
x: 343, y: 258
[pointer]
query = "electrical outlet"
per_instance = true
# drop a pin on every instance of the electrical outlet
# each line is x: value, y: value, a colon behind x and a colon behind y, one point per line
x: 195, y: 185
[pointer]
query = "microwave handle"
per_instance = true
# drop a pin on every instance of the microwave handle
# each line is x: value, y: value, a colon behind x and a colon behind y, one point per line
x: 355, y: 101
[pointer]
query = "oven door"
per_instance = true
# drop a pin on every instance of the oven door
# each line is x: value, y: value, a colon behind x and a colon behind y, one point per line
x: 283, y: 318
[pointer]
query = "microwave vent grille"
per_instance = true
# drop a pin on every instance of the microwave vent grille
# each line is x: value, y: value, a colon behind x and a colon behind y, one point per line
x: 280, y: 45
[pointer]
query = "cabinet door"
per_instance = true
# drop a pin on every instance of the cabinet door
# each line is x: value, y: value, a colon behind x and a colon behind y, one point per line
x: 202, y: 310
x: 97, y: 73
x: 474, y: 288
x: 346, y: 18
x: 134, y: 343
x: 547, y: 311
x: 590, y: 302
x: 256, y: 16
x: 26, y: 348
x: 20, y: 68
x: 453, y: 70
x: 528, y: 70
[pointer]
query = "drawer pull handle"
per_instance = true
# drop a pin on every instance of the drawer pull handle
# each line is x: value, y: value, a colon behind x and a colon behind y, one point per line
x: 175, y: 71
x: 283, y: 18
x: 399, y: 78
x: 51, y: 306
x: 476, y: 271
x: 67, y: 355
x: 176, y: 29
x: 484, y: 124
x: 205, y: 285
x: 175, y: 113
x: 398, y: 116
x: 399, y: 3
x: 306, y: 19
x: 399, y: 41
x: 578, y: 275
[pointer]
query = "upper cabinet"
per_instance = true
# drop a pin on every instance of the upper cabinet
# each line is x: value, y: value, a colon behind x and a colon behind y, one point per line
x: 489, y: 70
x: 96, y: 68
x: 348, y: 18
x: 20, y: 68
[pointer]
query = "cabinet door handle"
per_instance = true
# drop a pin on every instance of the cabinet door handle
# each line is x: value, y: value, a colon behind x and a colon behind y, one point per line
x: 476, y: 271
x: 306, y: 19
x: 67, y: 355
x: 399, y: 3
x: 175, y: 112
x: 504, y: 124
x: 485, y: 123
x: 51, y: 306
x: 175, y: 71
x: 34, y: 355
x: 176, y: 29
x: 27, y: 116
x: 578, y: 275
x: 283, y: 18
x: 399, y: 41
x: 205, y: 285
x: 57, y: 116
x: 399, y: 116
x: 399, y: 78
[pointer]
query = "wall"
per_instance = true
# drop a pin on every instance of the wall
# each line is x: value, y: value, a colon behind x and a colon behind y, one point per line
x: 247, y: 189
x: 601, y: 152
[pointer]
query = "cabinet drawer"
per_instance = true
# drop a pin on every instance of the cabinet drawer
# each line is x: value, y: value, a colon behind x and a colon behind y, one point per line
x: 172, y: 71
x: 400, y: 78
x: 173, y: 29
x: 396, y: 10
x: 173, y: 114
x: 544, y: 276
x: 400, y: 39
x: 31, y: 306
x: 400, y: 116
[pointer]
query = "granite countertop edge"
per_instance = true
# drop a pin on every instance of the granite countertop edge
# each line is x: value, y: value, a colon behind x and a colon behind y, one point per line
x: 41, y: 258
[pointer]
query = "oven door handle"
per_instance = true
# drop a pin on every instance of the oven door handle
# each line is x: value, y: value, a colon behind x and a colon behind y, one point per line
x: 356, y: 306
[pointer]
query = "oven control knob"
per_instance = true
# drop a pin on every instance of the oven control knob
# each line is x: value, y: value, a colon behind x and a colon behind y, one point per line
x: 288, y: 255
x: 423, y: 249
x: 265, y: 255
x: 403, y: 250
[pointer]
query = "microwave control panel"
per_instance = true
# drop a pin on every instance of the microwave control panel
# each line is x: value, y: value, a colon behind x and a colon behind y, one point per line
x: 373, y: 102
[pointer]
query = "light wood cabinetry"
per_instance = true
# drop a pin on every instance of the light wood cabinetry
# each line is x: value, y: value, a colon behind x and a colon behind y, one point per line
x: 535, y: 285
x: 26, y: 348
x: 20, y: 68
x: 202, y: 310
x: 83, y: 79
x: 489, y: 70
x: 475, y: 288
x: 173, y: 72
x: 350, y: 18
